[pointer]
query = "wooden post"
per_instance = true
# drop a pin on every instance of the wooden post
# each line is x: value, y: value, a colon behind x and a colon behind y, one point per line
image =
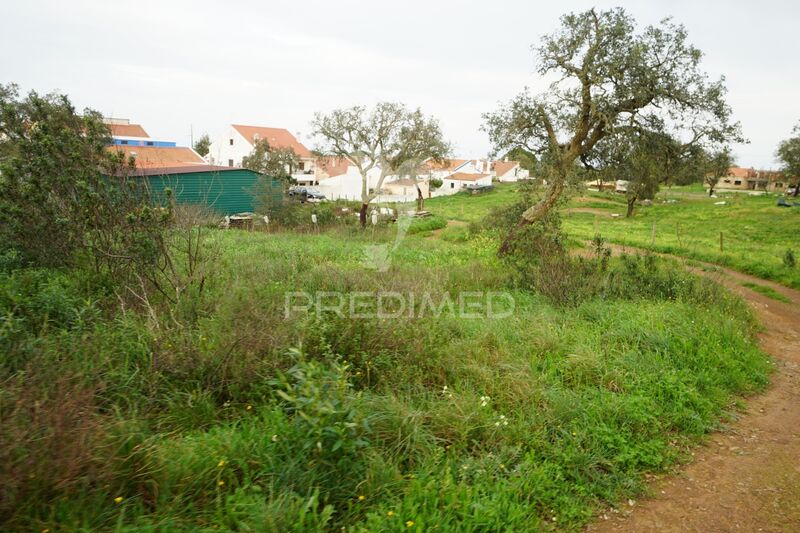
x: 721, y: 247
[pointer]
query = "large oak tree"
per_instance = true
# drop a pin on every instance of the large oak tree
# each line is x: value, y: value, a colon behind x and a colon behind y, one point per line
x: 610, y: 78
x: 388, y: 137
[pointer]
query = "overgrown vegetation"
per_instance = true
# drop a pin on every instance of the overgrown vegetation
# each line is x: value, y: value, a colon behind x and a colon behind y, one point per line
x: 317, y: 423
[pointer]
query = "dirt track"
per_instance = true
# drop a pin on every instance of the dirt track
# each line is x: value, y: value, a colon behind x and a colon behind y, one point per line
x: 746, y: 478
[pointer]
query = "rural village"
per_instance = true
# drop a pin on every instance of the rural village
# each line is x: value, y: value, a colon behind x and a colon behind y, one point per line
x: 436, y: 267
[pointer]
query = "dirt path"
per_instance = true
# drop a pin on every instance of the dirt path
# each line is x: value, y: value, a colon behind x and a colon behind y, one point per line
x: 746, y: 478
x: 593, y: 210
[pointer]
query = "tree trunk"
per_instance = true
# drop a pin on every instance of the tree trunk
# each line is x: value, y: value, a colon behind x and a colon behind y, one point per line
x: 420, y: 199
x: 534, y: 213
x: 711, y: 190
x: 631, y: 205
x: 362, y: 215
x: 796, y: 189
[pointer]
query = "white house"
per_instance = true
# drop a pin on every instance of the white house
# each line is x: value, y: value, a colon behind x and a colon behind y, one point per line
x: 239, y: 141
x: 339, y: 179
x: 509, y: 171
x: 404, y: 190
x: 440, y: 170
x: 462, y: 181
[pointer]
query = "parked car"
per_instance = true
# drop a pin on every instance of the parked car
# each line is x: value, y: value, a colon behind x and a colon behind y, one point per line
x: 306, y: 194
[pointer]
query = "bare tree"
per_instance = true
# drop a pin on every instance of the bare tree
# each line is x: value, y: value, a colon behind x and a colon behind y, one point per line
x: 388, y: 138
x: 609, y: 79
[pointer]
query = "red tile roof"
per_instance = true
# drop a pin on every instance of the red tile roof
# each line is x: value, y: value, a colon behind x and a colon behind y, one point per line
x: 127, y: 130
x: 463, y: 176
x: 502, y: 167
x: 740, y: 172
x: 447, y: 164
x: 333, y: 166
x: 161, y: 157
x: 276, y: 137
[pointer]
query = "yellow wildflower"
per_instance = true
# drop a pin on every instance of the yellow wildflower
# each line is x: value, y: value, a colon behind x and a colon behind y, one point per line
x: 220, y: 483
x: 118, y: 499
x: 390, y: 513
x: 221, y: 463
x: 361, y: 497
x: 249, y: 407
x: 410, y: 523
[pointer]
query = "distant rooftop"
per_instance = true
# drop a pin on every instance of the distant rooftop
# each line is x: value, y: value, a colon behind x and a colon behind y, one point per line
x: 276, y: 137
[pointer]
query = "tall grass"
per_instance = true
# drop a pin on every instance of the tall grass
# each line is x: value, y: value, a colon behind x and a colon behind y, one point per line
x: 247, y: 420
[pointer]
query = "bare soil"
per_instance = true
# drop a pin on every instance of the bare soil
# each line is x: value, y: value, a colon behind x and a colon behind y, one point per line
x: 748, y: 477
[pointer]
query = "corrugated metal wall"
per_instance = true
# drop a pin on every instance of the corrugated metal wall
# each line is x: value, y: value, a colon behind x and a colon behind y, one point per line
x: 226, y: 192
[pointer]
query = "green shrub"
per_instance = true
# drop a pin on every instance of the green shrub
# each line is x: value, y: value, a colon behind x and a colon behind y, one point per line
x: 789, y: 259
x: 420, y: 225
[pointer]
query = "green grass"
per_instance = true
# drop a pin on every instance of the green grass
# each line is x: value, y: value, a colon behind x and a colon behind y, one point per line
x: 466, y: 207
x: 755, y: 232
x: 246, y: 420
x: 767, y: 291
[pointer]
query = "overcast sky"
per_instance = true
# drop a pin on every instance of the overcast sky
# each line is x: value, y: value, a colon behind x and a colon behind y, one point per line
x: 174, y: 66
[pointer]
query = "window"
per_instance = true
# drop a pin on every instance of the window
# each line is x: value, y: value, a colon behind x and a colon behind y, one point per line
x: 149, y: 143
x: 452, y: 185
x: 123, y: 142
x: 230, y: 162
x: 230, y: 141
x: 779, y: 185
x: 737, y: 182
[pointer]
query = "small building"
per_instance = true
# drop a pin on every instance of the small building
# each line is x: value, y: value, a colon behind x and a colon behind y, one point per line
x: 750, y: 179
x: 509, y: 171
x: 224, y: 190
x: 239, y: 141
x: 160, y: 156
x: 339, y: 179
x: 462, y: 181
x: 405, y: 190
x: 123, y: 133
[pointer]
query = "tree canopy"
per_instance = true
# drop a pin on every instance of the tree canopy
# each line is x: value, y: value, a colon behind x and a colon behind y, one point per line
x: 788, y: 154
x: 610, y: 78
x: 388, y: 138
x: 65, y: 197
x: 203, y: 145
x: 278, y: 163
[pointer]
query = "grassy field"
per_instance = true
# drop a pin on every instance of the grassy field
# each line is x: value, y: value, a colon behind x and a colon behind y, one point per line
x: 243, y: 419
x: 756, y: 234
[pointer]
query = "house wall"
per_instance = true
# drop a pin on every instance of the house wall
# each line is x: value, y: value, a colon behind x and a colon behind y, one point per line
x: 347, y: 186
x: 405, y: 192
x: 136, y: 141
x: 223, y: 153
x: 226, y: 192
x: 450, y: 186
x: 513, y: 175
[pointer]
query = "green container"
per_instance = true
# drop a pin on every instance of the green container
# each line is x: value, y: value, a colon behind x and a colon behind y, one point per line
x: 224, y: 190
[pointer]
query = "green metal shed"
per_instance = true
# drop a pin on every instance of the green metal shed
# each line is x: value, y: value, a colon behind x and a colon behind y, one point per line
x: 226, y: 190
